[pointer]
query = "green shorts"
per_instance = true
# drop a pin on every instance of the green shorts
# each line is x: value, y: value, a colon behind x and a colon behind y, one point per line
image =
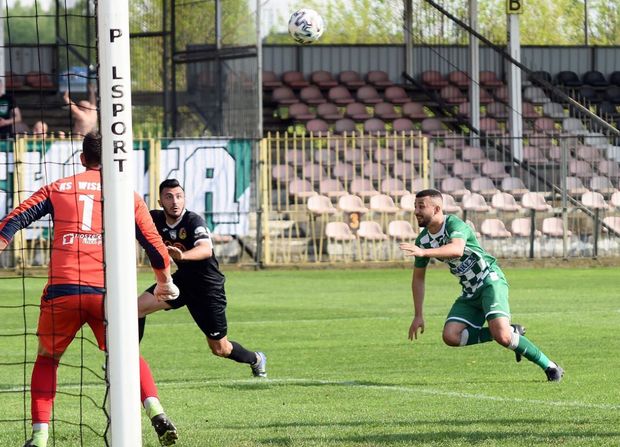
x: 489, y: 302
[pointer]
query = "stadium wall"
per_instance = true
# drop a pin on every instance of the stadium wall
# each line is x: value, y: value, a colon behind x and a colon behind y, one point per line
x: 445, y: 58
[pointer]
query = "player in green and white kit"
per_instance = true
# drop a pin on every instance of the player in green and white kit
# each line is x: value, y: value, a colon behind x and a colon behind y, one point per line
x: 485, y: 290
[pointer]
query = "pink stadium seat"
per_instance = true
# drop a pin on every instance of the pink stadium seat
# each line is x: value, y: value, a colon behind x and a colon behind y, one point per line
x: 494, y: 169
x: 294, y: 79
x: 378, y: 78
x: 402, y: 125
x: 414, y: 110
x: 328, y: 111
x: 357, y: 111
x: 497, y: 110
x: 386, y: 111
x: 401, y: 230
x: 362, y: 187
x: 522, y: 227
x: 282, y: 173
x: 590, y: 154
x: 352, y: 204
x: 301, y: 189
x: 459, y: 78
x: 528, y: 111
x: 514, y: 186
x: 553, y: 227
x: 283, y: 96
x: 340, y: 95
x: 321, y: 205
x: 351, y: 79
x: 323, y: 79
x: 300, y: 111
x: 313, y: 172
x: 483, y: 186
x: 368, y: 94
x: 489, y: 79
x: 449, y: 204
x: 464, y: 170
x: 270, y: 80
x: 454, y: 186
x: 396, y: 95
x: 384, y: 155
x: 533, y: 155
x: 383, y: 203
x: 332, y: 187
x: 615, y: 200
x: 452, y: 95
x: 613, y: 222
x: 404, y: 171
x: 344, y: 125
x: 311, y: 95
x: 433, y: 79
x: 594, y: 200
x: 13, y: 81
x: 503, y: 201
x: 609, y: 168
x: 295, y: 157
x: 580, y: 168
x: 494, y: 228
x: 574, y: 186
x: 602, y: 185
x: 343, y: 171
x: 394, y: 187
x: 474, y: 155
x: 433, y: 126
x: 325, y: 155
x: 445, y: 155
x: 374, y: 126
x: 475, y: 202
x: 535, y: 201
x: 407, y: 202
x: 317, y: 126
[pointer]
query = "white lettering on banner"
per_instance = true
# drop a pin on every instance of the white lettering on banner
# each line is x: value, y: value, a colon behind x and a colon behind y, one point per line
x: 189, y: 161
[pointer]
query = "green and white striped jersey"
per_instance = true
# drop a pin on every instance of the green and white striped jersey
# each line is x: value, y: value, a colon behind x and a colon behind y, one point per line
x: 474, y: 267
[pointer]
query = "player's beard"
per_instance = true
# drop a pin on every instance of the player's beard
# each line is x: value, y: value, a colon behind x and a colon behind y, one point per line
x: 422, y: 221
x: 173, y: 215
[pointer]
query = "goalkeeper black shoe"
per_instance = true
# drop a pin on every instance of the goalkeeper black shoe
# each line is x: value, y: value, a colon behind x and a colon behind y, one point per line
x: 165, y: 429
x: 554, y: 373
x: 259, y: 369
x: 518, y: 329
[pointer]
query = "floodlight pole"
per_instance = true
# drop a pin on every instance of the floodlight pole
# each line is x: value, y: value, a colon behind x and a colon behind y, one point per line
x: 118, y: 212
x: 474, y: 71
x: 514, y: 83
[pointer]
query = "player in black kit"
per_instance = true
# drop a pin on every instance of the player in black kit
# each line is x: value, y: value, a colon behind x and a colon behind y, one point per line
x: 198, y: 277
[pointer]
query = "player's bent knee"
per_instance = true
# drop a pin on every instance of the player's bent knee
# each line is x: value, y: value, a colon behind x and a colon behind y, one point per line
x: 503, y: 338
x: 451, y: 338
x: 220, y: 349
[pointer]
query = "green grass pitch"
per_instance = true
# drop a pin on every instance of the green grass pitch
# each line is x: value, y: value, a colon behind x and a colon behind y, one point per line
x: 341, y: 370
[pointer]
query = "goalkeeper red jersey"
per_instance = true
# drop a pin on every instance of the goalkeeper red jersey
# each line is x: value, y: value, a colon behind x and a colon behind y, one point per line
x: 75, y: 206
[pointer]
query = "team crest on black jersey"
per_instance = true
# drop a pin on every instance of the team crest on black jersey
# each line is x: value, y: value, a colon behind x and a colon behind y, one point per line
x: 182, y: 233
x: 173, y: 234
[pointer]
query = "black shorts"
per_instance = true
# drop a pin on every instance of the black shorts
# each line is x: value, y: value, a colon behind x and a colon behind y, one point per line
x: 206, y: 304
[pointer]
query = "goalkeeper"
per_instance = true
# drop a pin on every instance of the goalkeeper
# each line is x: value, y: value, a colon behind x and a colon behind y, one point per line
x: 198, y: 277
x: 74, y: 293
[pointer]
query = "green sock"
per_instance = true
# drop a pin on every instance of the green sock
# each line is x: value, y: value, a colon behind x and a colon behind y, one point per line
x: 475, y: 336
x: 39, y: 438
x: 530, y: 351
x: 153, y: 407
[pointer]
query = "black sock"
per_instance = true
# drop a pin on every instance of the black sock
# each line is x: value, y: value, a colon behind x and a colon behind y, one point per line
x: 240, y: 354
x: 141, y: 324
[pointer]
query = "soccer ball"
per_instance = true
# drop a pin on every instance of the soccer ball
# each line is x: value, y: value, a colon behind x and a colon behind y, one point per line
x: 305, y: 26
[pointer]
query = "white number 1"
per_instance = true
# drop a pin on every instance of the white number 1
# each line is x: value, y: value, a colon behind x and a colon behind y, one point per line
x: 87, y: 216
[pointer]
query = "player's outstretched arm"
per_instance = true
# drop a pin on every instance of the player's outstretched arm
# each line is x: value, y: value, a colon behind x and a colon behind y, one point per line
x: 417, y: 290
x: 202, y: 250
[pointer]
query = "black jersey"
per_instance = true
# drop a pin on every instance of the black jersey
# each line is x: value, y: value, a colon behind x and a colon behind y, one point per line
x: 184, y: 236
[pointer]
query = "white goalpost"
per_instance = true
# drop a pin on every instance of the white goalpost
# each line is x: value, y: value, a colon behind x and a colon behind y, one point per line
x: 118, y: 208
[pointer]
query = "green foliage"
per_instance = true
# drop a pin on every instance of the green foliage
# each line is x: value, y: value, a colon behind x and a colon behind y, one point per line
x: 341, y: 370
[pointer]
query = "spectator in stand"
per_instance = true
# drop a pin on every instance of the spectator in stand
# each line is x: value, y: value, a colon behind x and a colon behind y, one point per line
x: 10, y: 115
x: 84, y: 113
x: 39, y: 129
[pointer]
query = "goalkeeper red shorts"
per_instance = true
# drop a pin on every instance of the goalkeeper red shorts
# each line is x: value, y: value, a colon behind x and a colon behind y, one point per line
x: 62, y: 317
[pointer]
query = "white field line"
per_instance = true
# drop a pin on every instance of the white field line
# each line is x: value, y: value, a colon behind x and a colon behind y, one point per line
x: 429, y: 391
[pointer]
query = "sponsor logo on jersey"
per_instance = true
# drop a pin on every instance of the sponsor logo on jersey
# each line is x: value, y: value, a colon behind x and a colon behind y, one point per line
x: 182, y: 233
x: 213, y: 334
x: 463, y: 266
x: 67, y: 239
x: 89, y: 186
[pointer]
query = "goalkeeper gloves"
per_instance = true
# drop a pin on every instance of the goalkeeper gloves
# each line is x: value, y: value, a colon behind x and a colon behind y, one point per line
x: 166, y: 291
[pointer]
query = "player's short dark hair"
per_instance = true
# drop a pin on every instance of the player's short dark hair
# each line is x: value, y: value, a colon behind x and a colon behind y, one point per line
x: 91, y: 148
x: 169, y: 183
x: 433, y: 193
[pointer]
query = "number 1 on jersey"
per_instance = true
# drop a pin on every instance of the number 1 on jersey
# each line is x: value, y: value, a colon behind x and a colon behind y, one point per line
x: 87, y: 214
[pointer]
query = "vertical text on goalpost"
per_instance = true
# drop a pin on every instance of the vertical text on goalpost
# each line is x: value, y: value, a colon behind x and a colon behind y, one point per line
x: 118, y: 128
